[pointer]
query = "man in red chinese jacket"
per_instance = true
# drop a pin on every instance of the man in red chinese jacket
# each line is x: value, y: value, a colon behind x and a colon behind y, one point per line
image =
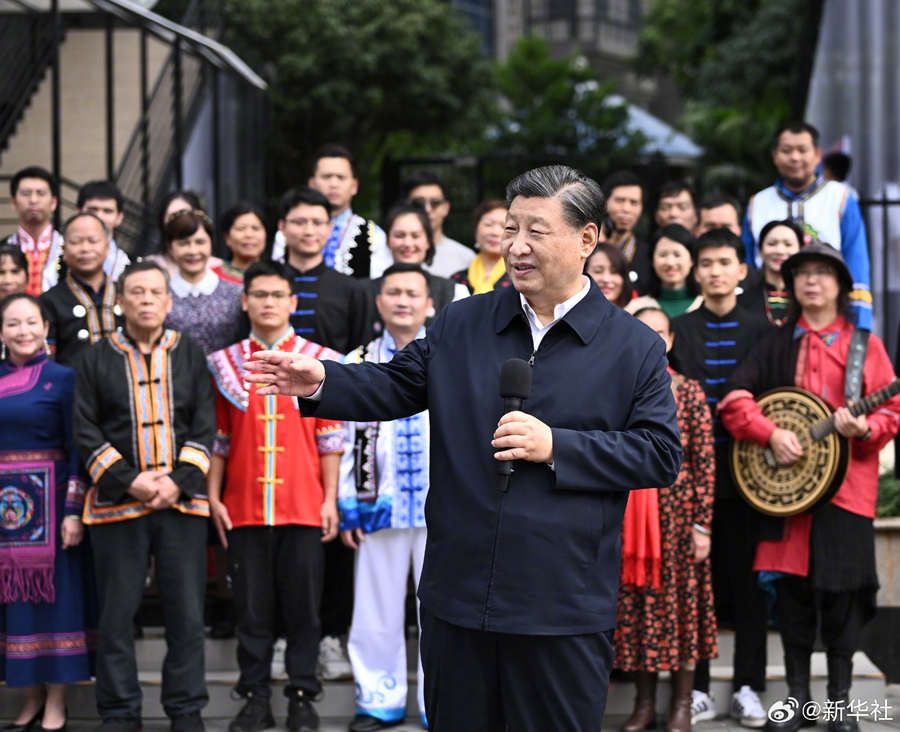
x: 823, y: 563
x: 278, y: 506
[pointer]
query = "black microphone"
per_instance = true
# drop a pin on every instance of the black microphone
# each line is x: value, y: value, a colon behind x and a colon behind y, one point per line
x: 515, y: 387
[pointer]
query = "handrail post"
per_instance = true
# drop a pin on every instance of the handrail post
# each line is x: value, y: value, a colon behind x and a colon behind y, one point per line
x: 217, y: 183
x: 110, y: 101
x: 145, y: 131
x: 177, y: 114
x: 55, y: 112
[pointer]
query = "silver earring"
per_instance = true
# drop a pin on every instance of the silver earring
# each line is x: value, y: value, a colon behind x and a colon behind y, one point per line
x: 3, y: 352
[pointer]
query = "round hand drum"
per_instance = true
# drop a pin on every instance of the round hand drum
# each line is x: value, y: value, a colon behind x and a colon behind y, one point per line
x: 808, y: 484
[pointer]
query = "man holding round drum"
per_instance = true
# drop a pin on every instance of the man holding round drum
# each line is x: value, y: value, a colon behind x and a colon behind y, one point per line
x: 519, y: 588
x: 825, y: 560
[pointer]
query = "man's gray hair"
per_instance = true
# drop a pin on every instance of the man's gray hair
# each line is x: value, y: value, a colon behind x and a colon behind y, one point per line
x: 582, y: 199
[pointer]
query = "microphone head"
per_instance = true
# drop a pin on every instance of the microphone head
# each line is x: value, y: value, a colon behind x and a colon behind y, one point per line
x: 515, y: 379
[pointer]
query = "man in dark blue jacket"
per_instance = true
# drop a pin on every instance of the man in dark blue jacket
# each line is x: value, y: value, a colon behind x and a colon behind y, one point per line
x: 519, y: 589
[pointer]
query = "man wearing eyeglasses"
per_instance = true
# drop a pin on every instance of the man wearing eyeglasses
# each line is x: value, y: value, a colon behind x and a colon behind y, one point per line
x: 279, y: 506
x: 427, y: 190
x: 824, y: 562
x: 333, y: 309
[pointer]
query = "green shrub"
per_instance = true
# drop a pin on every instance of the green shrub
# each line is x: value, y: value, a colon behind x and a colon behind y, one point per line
x: 888, y: 496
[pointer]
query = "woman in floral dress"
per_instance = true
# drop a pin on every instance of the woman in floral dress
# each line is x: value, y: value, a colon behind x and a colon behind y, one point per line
x: 666, y: 618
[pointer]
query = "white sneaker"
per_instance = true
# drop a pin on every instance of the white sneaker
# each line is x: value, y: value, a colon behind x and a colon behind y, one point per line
x: 333, y: 663
x: 747, y: 708
x: 703, y: 707
x: 277, y: 672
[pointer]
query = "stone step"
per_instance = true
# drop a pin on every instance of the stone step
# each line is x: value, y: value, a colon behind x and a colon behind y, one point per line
x: 338, y: 702
x: 221, y: 655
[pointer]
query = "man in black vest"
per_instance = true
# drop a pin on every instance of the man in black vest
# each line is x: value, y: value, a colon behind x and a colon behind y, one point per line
x: 82, y: 307
x: 519, y: 588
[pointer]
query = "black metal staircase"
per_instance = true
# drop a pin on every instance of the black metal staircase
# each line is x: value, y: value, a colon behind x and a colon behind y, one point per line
x: 26, y: 52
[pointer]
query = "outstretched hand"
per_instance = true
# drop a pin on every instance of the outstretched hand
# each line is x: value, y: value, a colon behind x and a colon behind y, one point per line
x: 289, y: 374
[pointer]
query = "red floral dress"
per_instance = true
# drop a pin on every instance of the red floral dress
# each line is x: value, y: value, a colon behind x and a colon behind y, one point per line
x: 663, y: 629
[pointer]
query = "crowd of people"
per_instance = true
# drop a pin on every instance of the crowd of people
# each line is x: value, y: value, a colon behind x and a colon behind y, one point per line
x: 125, y: 408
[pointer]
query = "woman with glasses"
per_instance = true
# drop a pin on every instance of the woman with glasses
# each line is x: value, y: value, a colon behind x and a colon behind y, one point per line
x: 204, y: 307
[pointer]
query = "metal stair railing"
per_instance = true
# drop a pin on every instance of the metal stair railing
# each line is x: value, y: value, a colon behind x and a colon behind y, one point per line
x: 26, y: 52
x: 151, y: 163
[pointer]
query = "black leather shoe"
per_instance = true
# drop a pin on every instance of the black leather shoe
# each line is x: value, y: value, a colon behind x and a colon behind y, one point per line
x: 29, y: 725
x: 256, y: 716
x: 366, y: 723
x: 188, y: 723
x: 120, y: 724
x: 302, y: 716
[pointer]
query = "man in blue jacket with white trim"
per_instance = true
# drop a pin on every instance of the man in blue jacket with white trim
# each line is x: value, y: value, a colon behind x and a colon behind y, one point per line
x: 827, y: 210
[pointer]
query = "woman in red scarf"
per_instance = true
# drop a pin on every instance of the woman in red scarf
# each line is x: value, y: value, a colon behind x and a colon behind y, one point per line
x: 666, y: 618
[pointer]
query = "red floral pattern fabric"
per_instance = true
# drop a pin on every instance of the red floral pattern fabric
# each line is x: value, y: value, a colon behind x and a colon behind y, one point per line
x: 663, y: 629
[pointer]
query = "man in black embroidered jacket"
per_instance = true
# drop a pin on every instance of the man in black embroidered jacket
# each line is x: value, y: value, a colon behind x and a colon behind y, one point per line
x: 519, y: 588
x: 144, y: 425
x: 709, y: 344
x: 333, y: 309
x: 82, y: 307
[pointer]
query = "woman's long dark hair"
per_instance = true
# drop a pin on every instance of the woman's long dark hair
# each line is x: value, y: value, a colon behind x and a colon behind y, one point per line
x: 618, y: 262
x: 680, y: 235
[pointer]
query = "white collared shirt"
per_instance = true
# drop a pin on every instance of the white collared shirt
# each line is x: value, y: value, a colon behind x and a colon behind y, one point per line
x: 207, y: 286
x: 538, y: 331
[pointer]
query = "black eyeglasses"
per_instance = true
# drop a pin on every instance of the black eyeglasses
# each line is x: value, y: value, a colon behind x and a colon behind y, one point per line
x: 428, y: 203
x: 809, y: 273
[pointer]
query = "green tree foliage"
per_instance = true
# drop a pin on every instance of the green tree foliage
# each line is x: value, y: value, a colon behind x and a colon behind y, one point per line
x: 377, y: 76
x: 734, y: 62
x: 556, y: 107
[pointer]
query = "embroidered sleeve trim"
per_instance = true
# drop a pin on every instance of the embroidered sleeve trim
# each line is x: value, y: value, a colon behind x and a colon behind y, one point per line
x: 101, y: 461
x: 222, y: 445
x: 75, y: 493
x: 331, y: 442
x: 195, y: 454
x: 227, y: 367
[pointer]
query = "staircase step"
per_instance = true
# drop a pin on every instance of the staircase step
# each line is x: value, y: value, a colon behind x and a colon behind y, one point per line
x: 338, y: 702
